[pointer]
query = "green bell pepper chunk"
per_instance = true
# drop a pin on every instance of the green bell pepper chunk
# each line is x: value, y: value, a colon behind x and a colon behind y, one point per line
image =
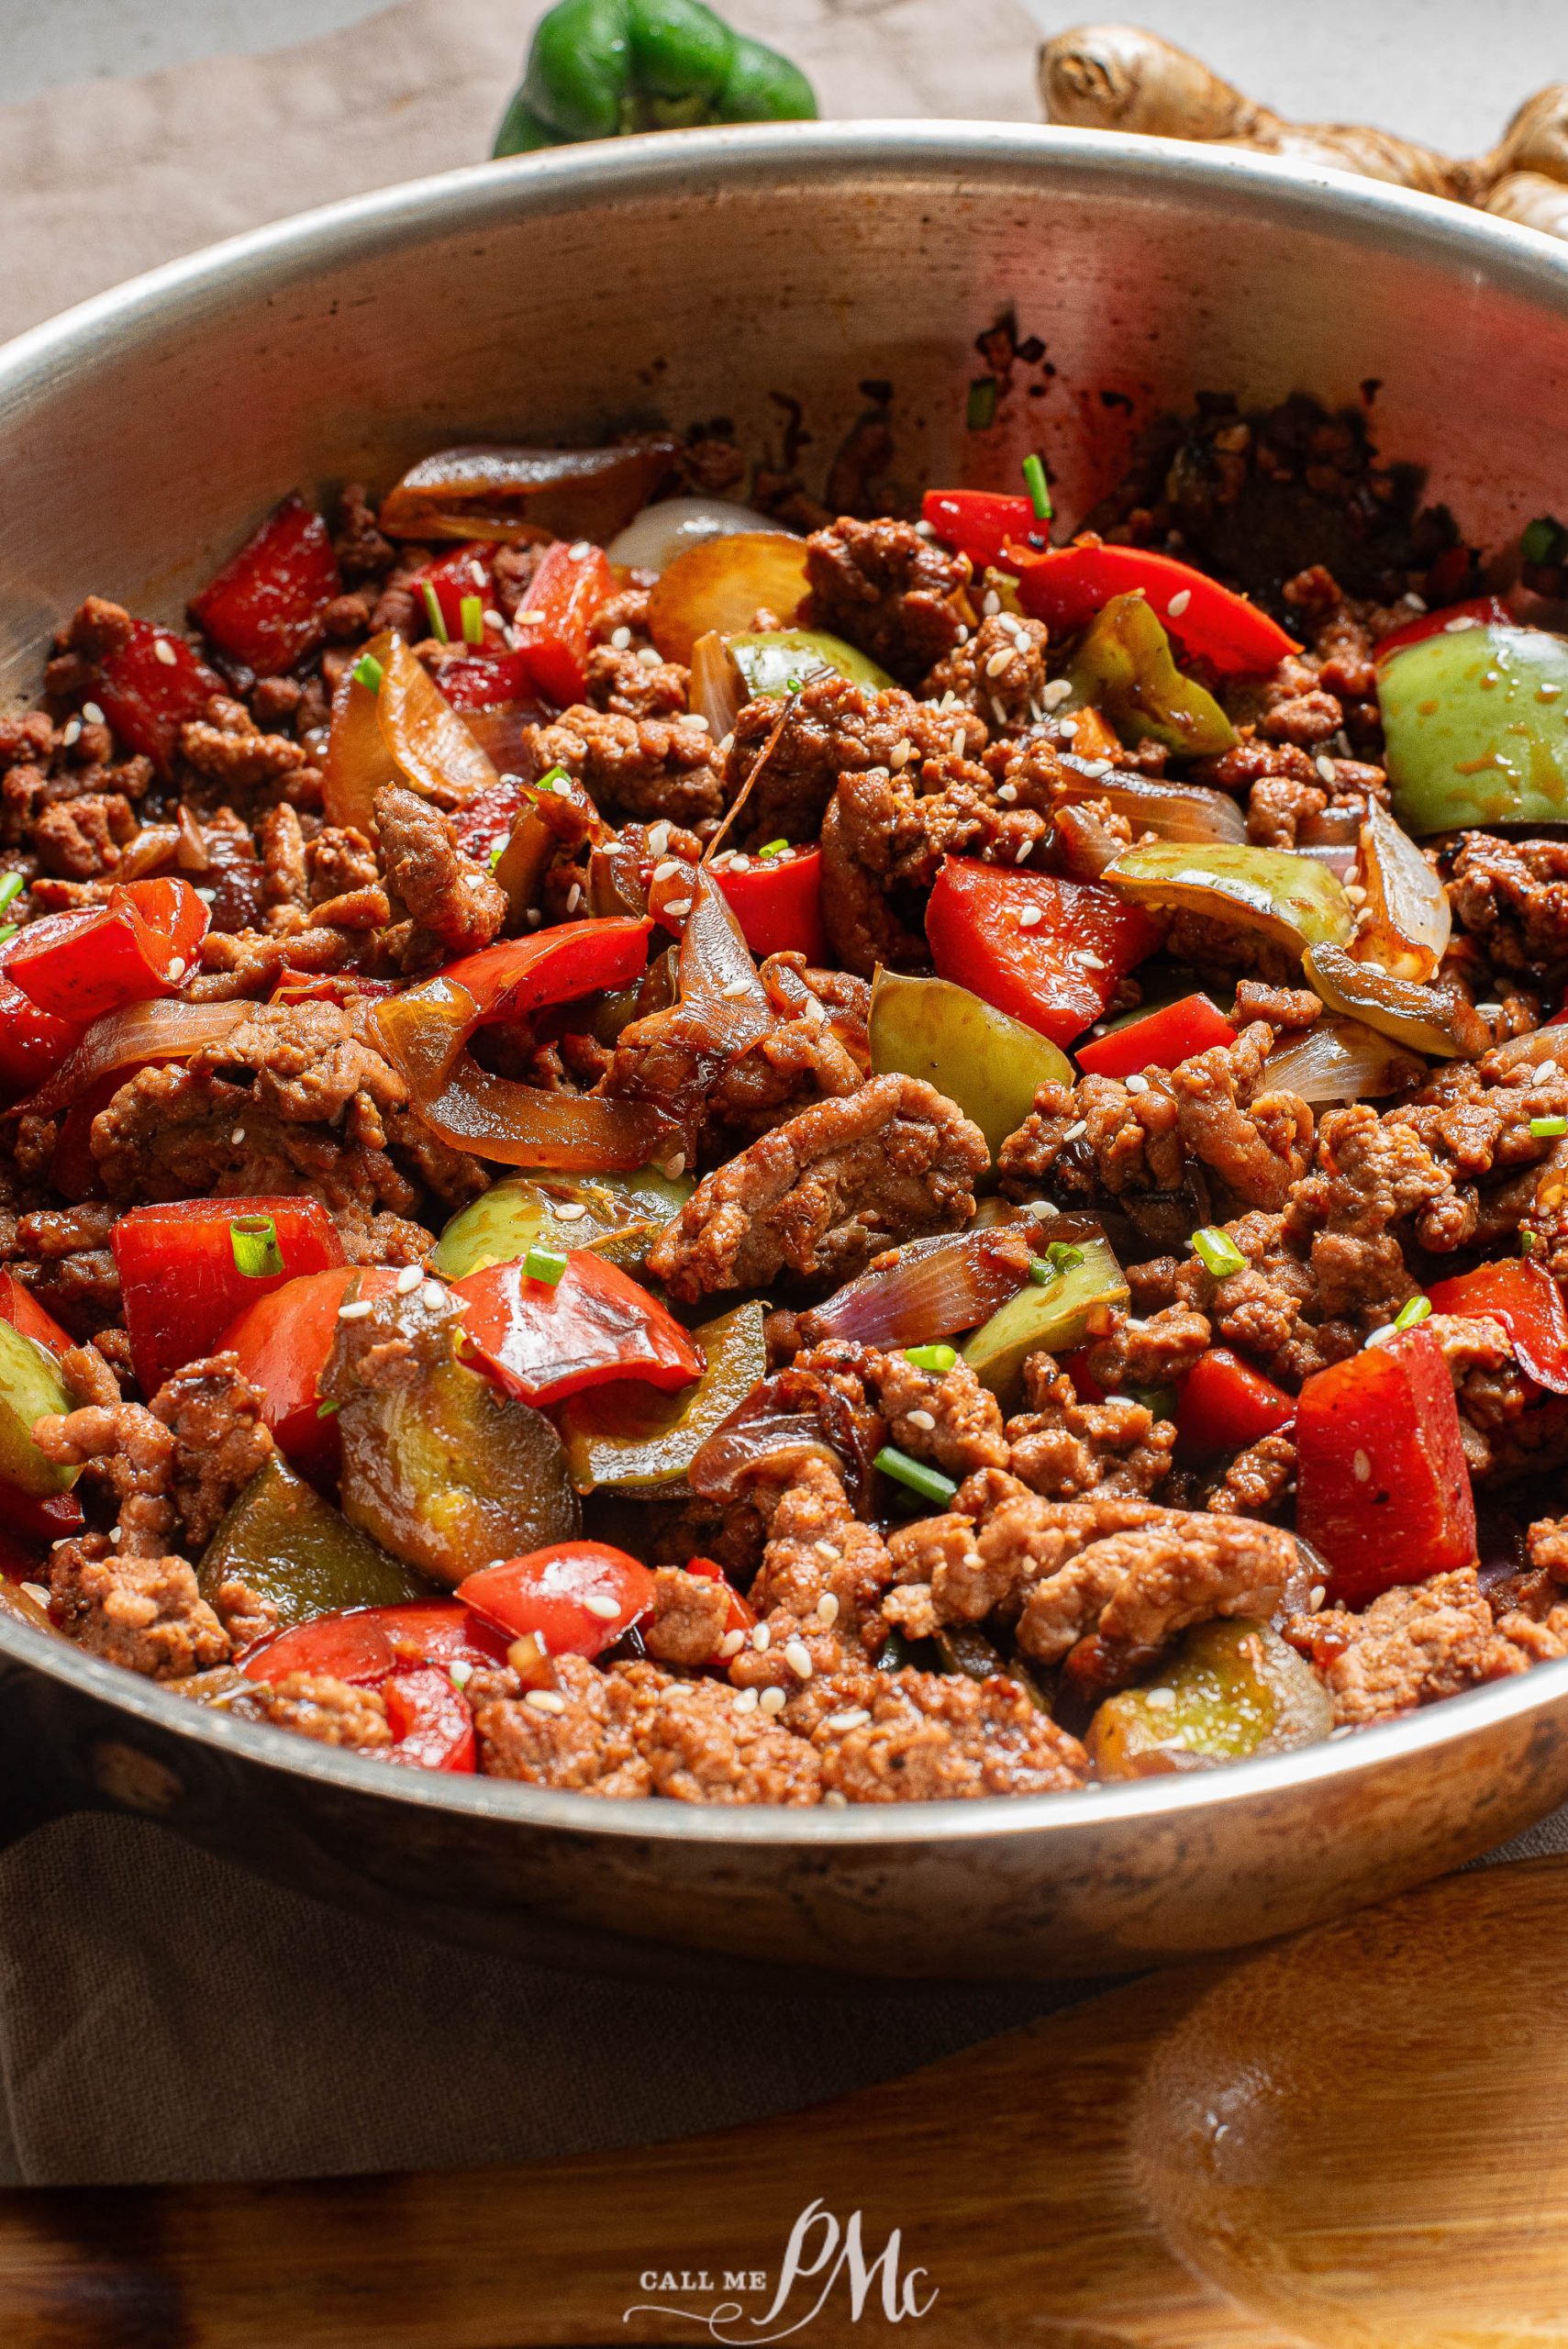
x: 628, y: 1437
x: 289, y: 1545
x: 597, y: 68
x: 1050, y: 1316
x: 1292, y: 900
x: 1476, y: 727
x: 1232, y: 1688
x: 622, y: 1215
x: 1124, y: 668
x: 988, y: 1062
x: 774, y: 664
x: 30, y: 1386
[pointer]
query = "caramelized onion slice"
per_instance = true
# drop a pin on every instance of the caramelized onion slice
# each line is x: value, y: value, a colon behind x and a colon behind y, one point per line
x: 511, y: 494
x: 717, y: 689
x: 1411, y: 920
x: 661, y: 532
x: 407, y: 732
x: 929, y: 1288
x: 1340, y: 1060
x: 133, y: 1037
x: 720, y: 586
x: 768, y: 1443
x: 1172, y: 811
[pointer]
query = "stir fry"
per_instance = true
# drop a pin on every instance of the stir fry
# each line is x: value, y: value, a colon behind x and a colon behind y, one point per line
x: 671, y: 1143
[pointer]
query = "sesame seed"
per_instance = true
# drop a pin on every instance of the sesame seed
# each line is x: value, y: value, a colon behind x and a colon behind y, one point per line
x: 827, y: 1610
x: 747, y: 1701
x: 561, y: 787
x: 1355, y: 893
x: 673, y: 1166
x: 433, y: 1295
x: 460, y: 1673
x: 771, y: 1700
x: 72, y: 731
x: 1068, y: 729
x: 1326, y: 767
x: 1025, y: 849
x: 1315, y: 1597
x: 580, y: 549
x: 1043, y: 1211
x: 1362, y: 1468
x: 1075, y: 1132
x: 1006, y: 793
x: 1546, y: 1069
x: 998, y: 662
x: 1136, y: 1084
x: 359, y: 1311
x: 1056, y: 692
x: 957, y: 743
x: 1031, y: 918
x: 1092, y: 961
x: 237, y: 1137
x: 206, y: 896
x: 1162, y: 1700
x: 949, y: 701
x: 668, y: 869
x: 696, y: 718
x: 1381, y: 1335
x: 737, y: 862
x: 1417, y: 603
x: 658, y: 839
x: 925, y: 530
x: 732, y: 1645
x: 92, y: 713
x: 856, y: 1717
x: 963, y: 635
x: 163, y: 651
x: 116, y: 1534
x: 570, y: 1211
x: 621, y: 640
x: 533, y: 917
x: 921, y: 1420
x: 1452, y: 628
x: 177, y: 967
x: 798, y: 1656
x: 408, y: 1280
x: 545, y: 1700
x: 736, y: 989
x: 574, y: 897
x: 37, y: 1593
x: 607, y: 1610
x: 1178, y: 604
x: 834, y: 1801
x: 826, y: 1550
x: 813, y: 1009
x: 997, y: 712
x: 901, y: 754
x: 649, y: 658
x: 679, y: 907
x: 761, y: 1639
x: 992, y: 603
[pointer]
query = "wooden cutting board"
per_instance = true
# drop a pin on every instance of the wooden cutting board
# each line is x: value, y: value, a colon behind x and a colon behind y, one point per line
x: 1357, y: 2138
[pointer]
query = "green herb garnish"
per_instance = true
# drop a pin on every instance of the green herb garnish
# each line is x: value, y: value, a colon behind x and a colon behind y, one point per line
x: 10, y: 890
x: 930, y: 1483
x: 1038, y: 488
x: 938, y: 1358
x: 433, y: 611
x: 544, y: 1264
x: 1547, y: 1129
x: 471, y: 611
x: 1408, y: 1315
x: 254, y: 1240
x: 1218, y: 1252
x: 773, y: 848
x: 368, y: 672
x: 980, y: 410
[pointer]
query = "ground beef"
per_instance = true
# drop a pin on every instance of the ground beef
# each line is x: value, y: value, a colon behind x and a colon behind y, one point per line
x: 999, y: 671
x: 1257, y: 1480
x: 579, y: 1737
x: 1512, y: 895
x: 997, y: 1540
x: 329, y: 1711
x: 824, y: 1193
x: 1061, y: 1447
x: 945, y: 1416
x: 889, y: 833
x: 141, y: 1612
x: 829, y: 728
x: 883, y: 587
x: 65, y: 1259
x: 455, y: 904
x: 688, y: 1619
x: 631, y: 688
x: 701, y: 1746
x: 818, y: 1589
x: 230, y: 748
x: 1413, y: 1646
x: 925, y: 1739
x: 1148, y: 1353
x: 214, y: 1414
x: 644, y: 770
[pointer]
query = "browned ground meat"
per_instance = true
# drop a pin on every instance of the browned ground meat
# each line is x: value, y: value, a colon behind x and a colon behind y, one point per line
x: 1513, y: 897
x: 921, y: 1739
x: 642, y: 769
x: 454, y: 903
x: 215, y: 1416
x: 329, y: 1711
x: 825, y: 1192
x: 885, y: 588
x: 999, y: 671
x: 688, y: 1619
x: 1412, y: 1646
x: 829, y: 728
x: 1061, y: 1447
x: 141, y: 1611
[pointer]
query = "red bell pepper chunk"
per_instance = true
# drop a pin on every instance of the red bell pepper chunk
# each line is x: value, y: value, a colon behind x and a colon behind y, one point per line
x: 283, y: 1342
x: 33, y: 1043
x: 741, y: 1616
x: 1382, y: 1486
x: 1067, y: 586
x: 554, y: 622
x: 1223, y: 1404
x: 981, y: 522
x: 1485, y: 611
x: 140, y: 944
x: 152, y: 687
x: 524, y: 974
x: 579, y: 1598
x: 1161, y: 1038
x: 1058, y: 974
x: 485, y: 823
x: 365, y: 1645
x: 492, y: 681
x: 430, y: 1722
x: 545, y: 1341
x: 264, y: 608
x: 1528, y: 1302
x: 465, y: 571
x: 777, y: 900
x: 182, y: 1283
x: 21, y: 1308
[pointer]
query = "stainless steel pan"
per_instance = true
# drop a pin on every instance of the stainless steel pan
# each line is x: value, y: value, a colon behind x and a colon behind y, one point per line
x: 716, y: 274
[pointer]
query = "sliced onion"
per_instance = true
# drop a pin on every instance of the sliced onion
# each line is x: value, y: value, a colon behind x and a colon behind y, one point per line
x: 1411, y: 920
x: 511, y: 494
x: 718, y: 690
x: 662, y: 532
x: 766, y: 1442
x: 133, y: 1037
x: 1339, y: 1059
x: 1417, y: 1016
x: 719, y: 978
x: 406, y: 732
x: 1338, y: 857
x: 1172, y: 811
x: 721, y: 585
x: 931, y: 1289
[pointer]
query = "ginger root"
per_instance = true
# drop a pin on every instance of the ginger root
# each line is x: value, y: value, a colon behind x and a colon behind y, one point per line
x: 1115, y: 77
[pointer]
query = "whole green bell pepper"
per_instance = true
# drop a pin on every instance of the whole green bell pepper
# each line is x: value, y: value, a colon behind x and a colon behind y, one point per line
x: 597, y: 68
x: 1476, y: 727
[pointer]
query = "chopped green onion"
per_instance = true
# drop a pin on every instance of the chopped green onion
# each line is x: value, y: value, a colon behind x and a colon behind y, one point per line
x: 496, y: 853
x: 980, y: 411
x: 328, y: 1411
x: 1408, y: 1315
x: 930, y: 1483
x: 773, y: 848
x: 1527, y: 1240
x: 1160, y: 1402
x: 896, y: 1654
x: 471, y: 611
x: 1547, y: 1129
x: 438, y: 618
x: 9, y: 932
x: 254, y: 1240
x: 1543, y: 540
x: 368, y: 672
x: 1038, y: 488
x: 1059, y: 1258
x: 1218, y: 1252
x: 10, y: 889
x: 544, y: 1264
x: 938, y: 1358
